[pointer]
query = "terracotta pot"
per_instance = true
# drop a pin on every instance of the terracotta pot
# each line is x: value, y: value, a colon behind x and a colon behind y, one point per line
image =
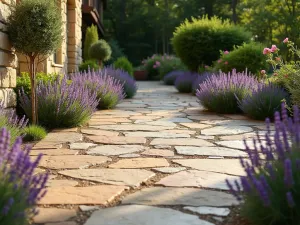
x: 140, y: 75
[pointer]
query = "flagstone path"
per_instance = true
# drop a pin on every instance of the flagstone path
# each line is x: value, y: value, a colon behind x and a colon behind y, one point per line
x: 157, y: 159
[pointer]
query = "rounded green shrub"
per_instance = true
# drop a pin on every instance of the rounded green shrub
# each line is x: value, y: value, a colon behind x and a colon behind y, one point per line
x: 34, y: 133
x: 124, y: 64
x: 247, y: 56
x: 89, y: 64
x: 198, y: 42
x: 169, y: 64
x: 100, y: 51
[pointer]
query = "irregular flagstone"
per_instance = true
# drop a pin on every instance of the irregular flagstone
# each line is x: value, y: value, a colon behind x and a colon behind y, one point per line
x: 206, y: 117
x: 163, y: 146
x: 99, y: 132
x: 205, y: 137
x: 229, y: 166
x: 61, y: 137
x: 158, y: 152
x: 234, y: 122
x: 238, y: 136
x: 115, y: 120
x: 196, y: 178
x: 62, y: 183
x: 52, y: 152
x: 98, y: 195
x: 169, y: 169
x: 195, y: 125
x: 116, y: 149
x: 145, y: 117
x: 116, y: 113
x: 140, y: 163
x: 204, y: 210
x: 117, y: 140
x: 181, y: 141
x: 134, y: 127
x: 177, y: 120
x: 71, y: 161
x: 210, y: 151
x: 127, y: 177
x: 142, y: 215
x: 129, y: 156
x: 238, y: 144
x: 157, y: 123
x: 47, y: 215
x: 85, y: 208
x: 73, y: 129
x: 180, y: 196
x: 82, y: 145
x: 226, y: 130
x: 156, y: 134
x: 101, y: 123
x: 130, y: 105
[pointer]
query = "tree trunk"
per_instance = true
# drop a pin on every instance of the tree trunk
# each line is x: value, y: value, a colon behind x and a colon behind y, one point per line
x: 209, y: 8
x: 234, y: 14
x: 34, y: 112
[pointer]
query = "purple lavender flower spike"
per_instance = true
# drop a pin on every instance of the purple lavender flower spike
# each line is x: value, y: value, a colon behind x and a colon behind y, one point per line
x: 288, y: 173
x: 290, y: 200
x: 246, y: 185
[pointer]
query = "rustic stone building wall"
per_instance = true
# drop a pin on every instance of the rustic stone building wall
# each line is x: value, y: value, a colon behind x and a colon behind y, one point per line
x: 8, y: 60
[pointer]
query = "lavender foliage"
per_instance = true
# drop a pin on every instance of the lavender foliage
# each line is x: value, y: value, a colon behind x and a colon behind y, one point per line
x: 219, y: 92
x: 184, y: 82
x: 270, y: 193
x: 62, y: 103
x: 199, y: 80
x: 108, y: 89
x: 169, y: 79
x: 20, y: 189
x: 263, y: 102
x: 130, y: 86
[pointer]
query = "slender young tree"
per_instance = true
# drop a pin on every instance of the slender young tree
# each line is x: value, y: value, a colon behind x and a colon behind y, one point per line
x: 91, y: 36
x: 35, y: 30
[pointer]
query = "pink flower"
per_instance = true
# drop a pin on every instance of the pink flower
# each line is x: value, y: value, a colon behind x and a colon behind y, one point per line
x: 226, y: 52
x: 226, y: 63
x: 277, y: 59
x: 157, y: 63
x: 263, y: 72
x: 267, y: 51
x: 286, y: 40
x: 154, y: 66
x: 220, y: 60
x: 206, y: 66
x: 274, y: 48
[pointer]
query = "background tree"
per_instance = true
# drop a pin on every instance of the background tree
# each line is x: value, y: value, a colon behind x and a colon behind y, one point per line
x: 91, y: 36
x: 35, y: 30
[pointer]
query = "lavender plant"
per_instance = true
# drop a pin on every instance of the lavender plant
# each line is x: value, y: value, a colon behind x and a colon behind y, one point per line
x: 170, y: 78
x: 12, y: 123
x: 199, y: 80
x: 130, y: 86
x: 269, y: 193
x: 219, y: 93
x: 61, y: 103
x: 264, y: 101
x: 184, y: 82
x: 108, y: 89
x: 20, y: 189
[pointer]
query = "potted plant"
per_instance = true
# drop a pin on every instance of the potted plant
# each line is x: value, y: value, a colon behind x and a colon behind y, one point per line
x: 140, y: 74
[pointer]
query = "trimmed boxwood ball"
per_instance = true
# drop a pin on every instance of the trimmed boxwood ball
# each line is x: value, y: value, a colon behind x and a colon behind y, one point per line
x: 264, y: 101
x: 100, y: 51
x: 170, y: 78
x: 219, y: 93
x: 184, y: 82
x: 247, y: 56
x: 198, y: 42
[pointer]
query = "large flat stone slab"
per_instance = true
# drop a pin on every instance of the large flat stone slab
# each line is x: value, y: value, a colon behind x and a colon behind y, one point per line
x: 134, y: 127
x: 157, y: 123
x: 226, y: 130
x: 99, y: 132
x: 127, y: 177
x: 117, y: 140
x: 177, y: 120
x: 164, y: 134
x: 196, y: 178
x: 237, y: 144
x: 234, y: 122
x: 158, y: 152
x: 143, y: 215
x: 95, y: 120
x: 180, y: 196
x: 229, y: 166
x: 206, y: 117
x: 62, y: 183
x: 81, y: 146
x: 98, y: 195
x: 195, y: 125
x: 60, y: 151
x: 169, y: 169
x: 209, y: 151
x: 181, y: 141
x: 116, y: 149
x: 50, y: 215
x: 72, y: 161
x: 204, y: 210
x: 140, y: 163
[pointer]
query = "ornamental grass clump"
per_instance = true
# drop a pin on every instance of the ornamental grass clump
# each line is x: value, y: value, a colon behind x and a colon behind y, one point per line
x: 199, y: 80
x: 130, y: 87
x: 170, y: 78
x: 109, y: 90
x: 219, y: 92
x: 269, y: 193
x: 264, y: 101
x: 62, y: 103
x: 20, y: 188
x: 184, y: 82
